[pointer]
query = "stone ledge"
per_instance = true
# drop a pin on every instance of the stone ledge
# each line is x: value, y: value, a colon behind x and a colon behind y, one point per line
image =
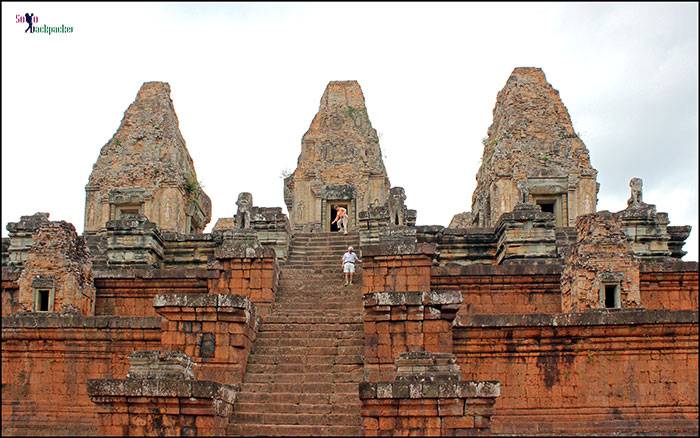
x: 498, y: 270
x: 57, y: 320
x: 162, y: 387
x: 589, y: 318
x: 412, y: 298
x: 668, y: 266
x: 398, y: 248
x: 435, y: 389
x: 202, y: 300
x: 147, y: 273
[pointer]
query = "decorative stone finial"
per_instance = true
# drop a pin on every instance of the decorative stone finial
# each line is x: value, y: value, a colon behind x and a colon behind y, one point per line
x: 635, y: 199
x: 244, y: 204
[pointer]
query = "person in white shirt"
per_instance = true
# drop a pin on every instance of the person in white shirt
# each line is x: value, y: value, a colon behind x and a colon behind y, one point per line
x: 348, y: 263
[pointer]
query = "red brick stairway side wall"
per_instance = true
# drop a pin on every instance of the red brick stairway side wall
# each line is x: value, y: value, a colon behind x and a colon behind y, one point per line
x: 253, y: 278
x: 396, y: 273
x: 216, y: 331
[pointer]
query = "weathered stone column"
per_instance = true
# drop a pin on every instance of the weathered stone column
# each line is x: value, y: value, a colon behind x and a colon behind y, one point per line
x: 217, y: 331
x: 160, y: 397
x: 134, y: 241
x: 427, y: 398
x: 525, y: 233
x: 21, y: 236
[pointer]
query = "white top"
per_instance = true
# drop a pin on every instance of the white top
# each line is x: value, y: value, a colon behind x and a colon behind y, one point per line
x: 350, y: 257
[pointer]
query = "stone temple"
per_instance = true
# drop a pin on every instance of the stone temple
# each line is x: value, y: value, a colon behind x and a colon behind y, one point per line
x: 532, y: 313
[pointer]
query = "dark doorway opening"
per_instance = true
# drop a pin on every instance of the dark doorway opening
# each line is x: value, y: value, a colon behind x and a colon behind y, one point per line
x: 547, y: 207
x: 612, y: 299
x: 43, y: 301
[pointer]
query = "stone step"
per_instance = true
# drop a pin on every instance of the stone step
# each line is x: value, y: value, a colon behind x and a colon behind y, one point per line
x: 292, y: 430
x: 349, y: 388
x: 307, y: 419
x: 340, y: 336
x: 302, y: 322
x: 293, y: 408
x: 329, y: 313
x: 263, y: 348
x: 305, y: 359
x: 267, y: 377
x: 318, y: 329
x: 285, y: 368
x: 291, y: 398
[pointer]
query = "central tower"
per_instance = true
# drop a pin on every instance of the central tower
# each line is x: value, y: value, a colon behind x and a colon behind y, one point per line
x: 340, y: 162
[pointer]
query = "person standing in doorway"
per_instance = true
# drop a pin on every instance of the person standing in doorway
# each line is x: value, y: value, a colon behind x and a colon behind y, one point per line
x: 348, y: 262
x: 341, y: 216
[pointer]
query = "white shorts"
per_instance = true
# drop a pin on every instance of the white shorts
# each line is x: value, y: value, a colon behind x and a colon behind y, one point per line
x: 349, y: 267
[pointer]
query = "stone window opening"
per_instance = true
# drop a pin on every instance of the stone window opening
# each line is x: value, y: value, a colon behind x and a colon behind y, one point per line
x: 43, y: 300
x: 128, y: 210
x: 551, y: 204
x: 546, y: 206
x: 610, y: 295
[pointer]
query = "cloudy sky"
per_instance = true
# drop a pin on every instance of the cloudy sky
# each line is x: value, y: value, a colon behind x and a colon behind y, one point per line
x: 246, y: 81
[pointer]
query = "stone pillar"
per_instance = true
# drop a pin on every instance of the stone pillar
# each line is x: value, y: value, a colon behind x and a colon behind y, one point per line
x: 21, y: 236
x: 134, y: 241
x: 160, y: 397
x: 646, y: 231
x: 600, y: 262
x: 57, y: 274
x: 677, y: 236
x: 524, y: 234
x: 397, y: 263
x: 400, y: 322
x: 427, y: 398
x: 217, y: 331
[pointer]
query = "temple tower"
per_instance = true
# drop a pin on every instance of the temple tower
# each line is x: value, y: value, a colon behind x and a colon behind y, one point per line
x: 340, y: 162
x: 145, y: 169
x: 532, y: 154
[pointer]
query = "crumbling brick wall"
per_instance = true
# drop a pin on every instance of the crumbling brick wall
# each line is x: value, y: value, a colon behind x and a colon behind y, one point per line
x: 59, y: 260
x: 600, y: 255
x: 47, y: 360
x: 10, y: 291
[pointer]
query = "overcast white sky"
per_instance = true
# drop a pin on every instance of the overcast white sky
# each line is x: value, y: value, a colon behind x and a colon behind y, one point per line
x: 246, y: 81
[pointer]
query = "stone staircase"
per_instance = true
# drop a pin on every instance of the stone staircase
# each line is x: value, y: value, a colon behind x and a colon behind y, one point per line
x: 303, y: 373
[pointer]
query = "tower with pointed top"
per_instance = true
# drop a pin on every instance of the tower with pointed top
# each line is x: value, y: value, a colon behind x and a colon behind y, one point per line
x: 340, y: 162
x: 145, y: 169
x: 532, y: 154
